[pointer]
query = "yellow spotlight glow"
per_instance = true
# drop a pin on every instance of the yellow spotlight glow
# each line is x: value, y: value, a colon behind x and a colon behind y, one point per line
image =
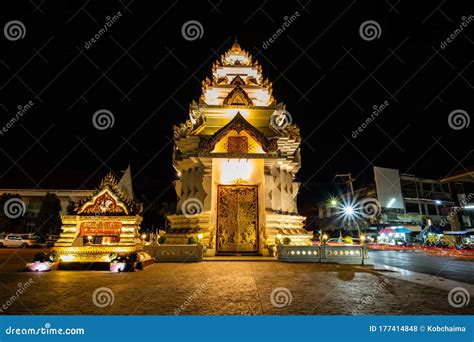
x: 325, y: 237
x: 279, y: 236
x: 362, y: 238
x: 200, y: 236
x: 143, y: 236
x: 234, y: 170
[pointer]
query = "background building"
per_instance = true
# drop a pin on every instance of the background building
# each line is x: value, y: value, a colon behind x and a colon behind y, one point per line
x: 404, y: 201
x: 34, y: 197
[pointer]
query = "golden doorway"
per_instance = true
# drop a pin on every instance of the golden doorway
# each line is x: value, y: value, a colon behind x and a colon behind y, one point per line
x: 237, y: 219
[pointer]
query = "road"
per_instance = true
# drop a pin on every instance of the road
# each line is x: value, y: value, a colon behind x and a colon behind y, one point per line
x: 450, y: 268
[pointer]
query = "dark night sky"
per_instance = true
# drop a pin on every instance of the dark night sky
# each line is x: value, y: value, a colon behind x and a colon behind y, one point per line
x: 146, y: 73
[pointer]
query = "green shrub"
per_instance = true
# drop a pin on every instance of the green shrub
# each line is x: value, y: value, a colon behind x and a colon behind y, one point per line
x: 162, y: 240
x: 286, y: 240
x: 192, y: 240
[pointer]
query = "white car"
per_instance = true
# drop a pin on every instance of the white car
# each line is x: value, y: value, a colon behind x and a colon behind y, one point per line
x: 13, y: 240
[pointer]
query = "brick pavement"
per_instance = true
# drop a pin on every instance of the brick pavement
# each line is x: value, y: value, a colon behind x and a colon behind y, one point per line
x: 220, y: 288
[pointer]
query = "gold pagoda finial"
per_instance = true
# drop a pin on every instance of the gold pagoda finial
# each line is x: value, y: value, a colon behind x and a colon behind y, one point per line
x: 236, y: 47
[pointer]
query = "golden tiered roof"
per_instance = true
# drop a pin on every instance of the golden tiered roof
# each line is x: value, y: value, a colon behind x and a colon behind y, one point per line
x: 236, y: 86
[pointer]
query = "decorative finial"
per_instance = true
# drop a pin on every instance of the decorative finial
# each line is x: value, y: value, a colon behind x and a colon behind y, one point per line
x: 236, y: 47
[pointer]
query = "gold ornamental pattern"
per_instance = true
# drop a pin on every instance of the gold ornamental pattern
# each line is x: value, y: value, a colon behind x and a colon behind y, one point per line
x: 237, y: 218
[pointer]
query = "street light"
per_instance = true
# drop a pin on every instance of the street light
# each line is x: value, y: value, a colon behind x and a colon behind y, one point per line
x: 348, y: 210
x: 333, y: 202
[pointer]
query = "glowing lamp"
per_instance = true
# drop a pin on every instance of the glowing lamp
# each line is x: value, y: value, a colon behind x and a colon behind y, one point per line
x: 200, y: 236
x: 143, y: 236
x: 39, y: 266
x: 333, y: 203
x: 278, y: 236
x: 348, y: 210
x: 236, y: 170
x: 67, y: 258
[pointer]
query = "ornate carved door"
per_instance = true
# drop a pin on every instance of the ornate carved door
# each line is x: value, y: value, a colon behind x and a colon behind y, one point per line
x: 237, y: 219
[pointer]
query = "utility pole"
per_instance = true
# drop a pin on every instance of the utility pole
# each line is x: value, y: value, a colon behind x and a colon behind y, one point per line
x: 349, y: 181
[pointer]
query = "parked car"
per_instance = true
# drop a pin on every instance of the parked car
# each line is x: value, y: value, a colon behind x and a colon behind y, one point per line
x: 51, y: 240
x: 15, y: 240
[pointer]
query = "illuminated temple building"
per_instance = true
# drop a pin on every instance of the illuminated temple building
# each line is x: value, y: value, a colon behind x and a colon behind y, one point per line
x: 236, y: 159
x: 106, y: 223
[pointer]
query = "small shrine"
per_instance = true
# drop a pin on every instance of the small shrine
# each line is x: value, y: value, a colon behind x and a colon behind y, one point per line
x: 107, y: 223
x: 236, y: 158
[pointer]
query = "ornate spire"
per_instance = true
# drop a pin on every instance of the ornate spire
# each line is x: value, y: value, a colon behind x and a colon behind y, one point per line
x: 236, y: 47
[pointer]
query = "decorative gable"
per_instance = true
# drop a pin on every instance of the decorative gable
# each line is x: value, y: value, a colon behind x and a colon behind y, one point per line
x: 238, y: 124
x: 238, y: 97
x: 105, y: 202
x: 108, y: 199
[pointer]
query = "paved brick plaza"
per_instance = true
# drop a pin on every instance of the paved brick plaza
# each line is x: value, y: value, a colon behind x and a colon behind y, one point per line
x: 218, y: 288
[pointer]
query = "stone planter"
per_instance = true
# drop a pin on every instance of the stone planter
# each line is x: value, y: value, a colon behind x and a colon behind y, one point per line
x: 177, y: 253
x: 344, y: 254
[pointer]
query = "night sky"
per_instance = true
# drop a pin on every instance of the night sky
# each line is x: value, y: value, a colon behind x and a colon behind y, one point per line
x: 146, y: 73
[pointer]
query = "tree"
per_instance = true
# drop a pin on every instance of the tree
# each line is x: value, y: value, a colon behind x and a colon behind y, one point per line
x: 12, y: 209
x: 154, y: 215
x: 48, y: 220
